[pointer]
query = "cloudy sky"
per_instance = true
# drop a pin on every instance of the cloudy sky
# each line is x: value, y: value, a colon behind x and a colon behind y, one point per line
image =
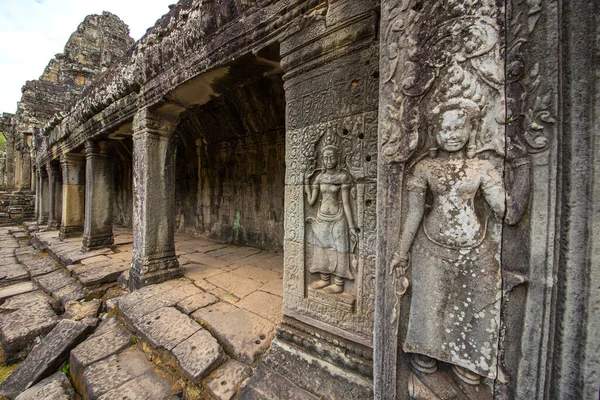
x: 33, y: 31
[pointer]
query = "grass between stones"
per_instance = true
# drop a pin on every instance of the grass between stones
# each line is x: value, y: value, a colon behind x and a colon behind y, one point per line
x: 5, y: 371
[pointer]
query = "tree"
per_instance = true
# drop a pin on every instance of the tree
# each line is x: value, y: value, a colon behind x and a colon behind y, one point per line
x: 2, y: 142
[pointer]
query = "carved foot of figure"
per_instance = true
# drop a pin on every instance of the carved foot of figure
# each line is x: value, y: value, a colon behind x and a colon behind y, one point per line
x: 323, y: 282
x: 470, y: 384
x: 426, y: 382
x: 333, y: 289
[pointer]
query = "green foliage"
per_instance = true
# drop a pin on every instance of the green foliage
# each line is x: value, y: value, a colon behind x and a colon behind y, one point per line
x: 66, y: 369
x: 2, y: 142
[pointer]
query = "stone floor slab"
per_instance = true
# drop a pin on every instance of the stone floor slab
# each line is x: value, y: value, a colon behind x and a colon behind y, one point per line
x: 264, y: 304
x: 113, y: 371
x: 145, y: 387
x: 109, y: 339
x: 157, y: 328
x: 225, y: 381
x: 244, y: 335
x: 24, y: 317
x: 53, y: 281
x: 199, y: 355
x: 95, y: 274
x: 240, y: 286
x: 41, y: 266
x: 16, y: 289
x: 11, y: 273
x: 44, y: 358
x: 193, y: 303
x: 55, y: 387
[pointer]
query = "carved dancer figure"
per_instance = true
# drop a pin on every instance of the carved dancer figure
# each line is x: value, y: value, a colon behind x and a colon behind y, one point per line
x: 330, y: 232
x: 456, y: 278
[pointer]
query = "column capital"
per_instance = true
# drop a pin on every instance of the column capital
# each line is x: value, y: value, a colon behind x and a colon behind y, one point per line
x: 53, y: 170
x: 72, y: 159
x: 154, y: 122
x: 98, y: 148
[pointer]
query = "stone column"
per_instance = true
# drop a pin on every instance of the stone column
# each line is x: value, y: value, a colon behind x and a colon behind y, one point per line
x: 42, y: 196
x: 99, y: 195
x: 54, y: 195
x: 25, y: 171
x: 154, y: 148
x: 73, y: 194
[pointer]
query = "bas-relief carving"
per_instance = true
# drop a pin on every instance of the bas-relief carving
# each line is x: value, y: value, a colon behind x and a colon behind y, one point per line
x: 331, y: 222
x: 465, y: 148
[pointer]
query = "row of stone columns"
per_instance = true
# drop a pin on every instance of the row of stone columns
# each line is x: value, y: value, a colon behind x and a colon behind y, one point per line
x: 76, y: 196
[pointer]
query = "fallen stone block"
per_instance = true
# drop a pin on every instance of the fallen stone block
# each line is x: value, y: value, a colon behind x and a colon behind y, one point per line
x: 15, y: 289
x: 73, y: 291
x: 225, y: 381
x: 199, y: 355
x: 53, y: 281
x: 24, y: 317
x: 77, y: 311
x: 109, y: 339
x: 244, y: 335
x: 95, y: 274
x: 41, y: 266
x: 12, y: 273
x: 55, y: 387
x: 114, y: 371
x: 44, y: 358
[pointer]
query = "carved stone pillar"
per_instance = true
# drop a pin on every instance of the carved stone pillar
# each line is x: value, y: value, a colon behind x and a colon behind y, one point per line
x: 99, y: 193
x: 25, y: 169
x: 54, y: 195
x: 73, y: 194
x: 42, y: 195
x: 154, y: 148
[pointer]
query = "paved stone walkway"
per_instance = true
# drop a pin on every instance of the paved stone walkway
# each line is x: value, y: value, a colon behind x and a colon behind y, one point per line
x: 200, y: 336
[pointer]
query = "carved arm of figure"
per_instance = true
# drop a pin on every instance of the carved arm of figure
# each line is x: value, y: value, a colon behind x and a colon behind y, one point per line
x: 348, y: 208
x: 416, y: 209
x: 312, y: 191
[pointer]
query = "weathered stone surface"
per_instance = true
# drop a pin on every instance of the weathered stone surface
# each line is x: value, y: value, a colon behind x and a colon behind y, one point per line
x: 264, y: 304
x: 147, y: 386
x: 114, y: 371
x: 244, y: 335
x: 11, y: 273
x: 109, y: 339
x: 94, y: 274
x: 24, y: 317
x: 225, y: 381
x: 45, y: 358
x: 15, y: 289
x: 198, y: 355
x: 73, y: 291
x: 53, y: 281
x: 157, y: 328
x: 266, y: 384
x: 77, y: 311
x: 55, y: 387
x: 193, y: 303
x: 41, y: 266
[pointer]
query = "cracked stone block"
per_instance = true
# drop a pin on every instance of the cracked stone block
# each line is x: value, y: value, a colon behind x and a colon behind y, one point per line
x: 77, y: 311
x: 268, y: 384
x: 44, y: 358
x: 244, y: 335
x: 53, y: 281
x: 199, y: 355
x: 114, y: 371
x: 157, y: 328
x: 24, y: 317
x: 73, y: 291
x: 15, y: 289
x: 109, y: 339
x: 11, y: 273
x: 147, y: 386
x: 224, y: 382
x: 193, y: 303
x: 94, y: 274
x: 41, y: 266
x: 55, y: 387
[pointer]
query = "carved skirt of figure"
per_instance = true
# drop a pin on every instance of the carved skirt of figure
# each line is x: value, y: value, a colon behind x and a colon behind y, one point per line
x: 328, y: 239
x: 455, y: 304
